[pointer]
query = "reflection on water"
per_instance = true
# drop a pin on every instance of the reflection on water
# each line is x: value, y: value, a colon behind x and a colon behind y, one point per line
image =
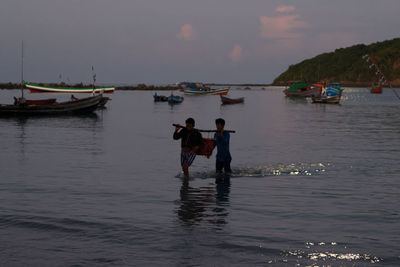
x: 331, y: 253
x: 205, y: 204
x: 32, y: 136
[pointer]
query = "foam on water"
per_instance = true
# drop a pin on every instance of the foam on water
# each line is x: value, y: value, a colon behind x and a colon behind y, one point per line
x: 291, y: 169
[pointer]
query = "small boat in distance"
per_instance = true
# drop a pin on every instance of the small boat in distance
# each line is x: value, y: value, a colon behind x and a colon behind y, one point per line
x: 37, y: 88
x: 175, y: 99
x: 226, y: 100
x: 299, y: 89
x: 160, y: 98
x: 376, y: 89
x: 201, y: 89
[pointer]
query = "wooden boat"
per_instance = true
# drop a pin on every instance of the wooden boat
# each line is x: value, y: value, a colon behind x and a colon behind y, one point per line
x: 83, y: 105
x: 175, y: 99
x: 300, y: 89
x: 376, y: 89
x: 201, y: 89
x: 24, y: 107
x: 379, y: 73
x: 226, y: 100
x: 329, y: 95
x: 160, y: 98
x: 36, y: 88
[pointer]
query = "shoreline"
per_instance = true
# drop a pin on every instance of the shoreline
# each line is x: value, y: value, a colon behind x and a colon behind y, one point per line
x: 144, y: 87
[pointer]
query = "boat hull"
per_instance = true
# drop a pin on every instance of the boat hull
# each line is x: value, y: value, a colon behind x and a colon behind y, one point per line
x: 160, y: 98
x: 222, y: 91
x: 327, y: 99
x: 174, y: 99
x: 376, y: 90
x: 81, y: 106
x: 227, y: 100
x: 35, y: 88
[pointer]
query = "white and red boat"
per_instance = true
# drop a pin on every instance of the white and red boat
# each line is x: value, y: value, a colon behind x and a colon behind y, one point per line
x: 201, y: 89
x: 37, y: 88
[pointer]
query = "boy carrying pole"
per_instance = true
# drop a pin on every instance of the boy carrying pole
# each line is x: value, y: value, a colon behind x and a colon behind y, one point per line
x: 190, y: 144
x: 223, y: 159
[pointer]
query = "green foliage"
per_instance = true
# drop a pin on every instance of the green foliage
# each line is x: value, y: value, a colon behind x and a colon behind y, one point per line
x: 346, y: 64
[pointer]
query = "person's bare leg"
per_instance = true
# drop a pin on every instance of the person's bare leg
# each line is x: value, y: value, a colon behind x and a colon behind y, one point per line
x: 185, y: 169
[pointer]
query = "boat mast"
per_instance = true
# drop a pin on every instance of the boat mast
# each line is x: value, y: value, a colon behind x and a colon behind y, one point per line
x: 382, y: 77
x: 22, y: 69
x: 94, y: 81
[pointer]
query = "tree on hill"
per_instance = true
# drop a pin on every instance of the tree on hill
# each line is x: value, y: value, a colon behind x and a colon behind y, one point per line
x: 346, y: 65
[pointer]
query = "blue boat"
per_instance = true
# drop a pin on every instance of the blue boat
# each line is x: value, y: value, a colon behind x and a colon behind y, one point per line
x: 333, y: 89
x: 330, y: 94
x: 175, y: 99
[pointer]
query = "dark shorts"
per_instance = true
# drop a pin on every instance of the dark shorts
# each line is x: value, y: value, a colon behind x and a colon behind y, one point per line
x: 226, y: 165
x: 187, y: 157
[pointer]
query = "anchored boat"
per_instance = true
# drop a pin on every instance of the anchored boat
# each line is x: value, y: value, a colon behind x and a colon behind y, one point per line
x: 299, y: 89
x: 376, y: 89
x: 226, y: 100
x: 37, y: 88
x: 201, y: 89
x: 27, y: 107
x: 329, y: 95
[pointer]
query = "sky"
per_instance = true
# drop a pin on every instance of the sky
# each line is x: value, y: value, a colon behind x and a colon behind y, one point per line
x: 166, y: 41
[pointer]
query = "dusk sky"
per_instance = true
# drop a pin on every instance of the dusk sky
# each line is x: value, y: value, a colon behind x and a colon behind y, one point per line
x: 166, y: 41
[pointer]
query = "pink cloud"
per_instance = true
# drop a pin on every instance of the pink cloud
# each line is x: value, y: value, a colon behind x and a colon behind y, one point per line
x: 285, y: 9
x: 236, y: 54
x: 281, y: 27
x: 186, y: 32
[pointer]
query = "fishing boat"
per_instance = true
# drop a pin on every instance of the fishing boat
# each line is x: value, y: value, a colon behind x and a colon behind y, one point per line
x: 175, y: 99
x: 26, y: 107
x: 160, y: 98
x: 330, y: 94
x: 37, y: 88
x: 299, y: 89
x: 79, y: 106
x: 379, y: 73
x: 376, y: 89
x: 201, y: 89
x: 226, y: 100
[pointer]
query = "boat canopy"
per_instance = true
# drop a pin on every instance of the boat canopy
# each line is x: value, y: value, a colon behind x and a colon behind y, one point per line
x: 297, y: 86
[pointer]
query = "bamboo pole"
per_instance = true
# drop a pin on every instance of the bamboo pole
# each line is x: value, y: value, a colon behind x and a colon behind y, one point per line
x: 369, y: 58
x: 22, y: 69
x: 204, y: 131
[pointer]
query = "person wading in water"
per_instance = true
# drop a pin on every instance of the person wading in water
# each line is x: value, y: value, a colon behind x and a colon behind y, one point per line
x: 224, y: 158
x: 190, y: 144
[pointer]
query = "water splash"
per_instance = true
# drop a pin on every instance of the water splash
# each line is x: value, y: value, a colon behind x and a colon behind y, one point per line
x: 326, y: 253
x: 291, y: 169
x: 323, y: 254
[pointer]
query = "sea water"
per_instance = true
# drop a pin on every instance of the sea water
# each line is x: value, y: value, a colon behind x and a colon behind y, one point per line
x: 312, y: 184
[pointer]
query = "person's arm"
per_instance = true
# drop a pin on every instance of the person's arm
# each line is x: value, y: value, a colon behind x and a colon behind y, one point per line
x: 177, y: 134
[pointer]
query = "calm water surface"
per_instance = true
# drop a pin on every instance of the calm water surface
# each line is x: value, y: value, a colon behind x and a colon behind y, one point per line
x: 312, y: 184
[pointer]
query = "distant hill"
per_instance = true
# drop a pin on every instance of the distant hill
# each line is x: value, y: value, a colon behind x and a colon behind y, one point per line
x: 345, y: 65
